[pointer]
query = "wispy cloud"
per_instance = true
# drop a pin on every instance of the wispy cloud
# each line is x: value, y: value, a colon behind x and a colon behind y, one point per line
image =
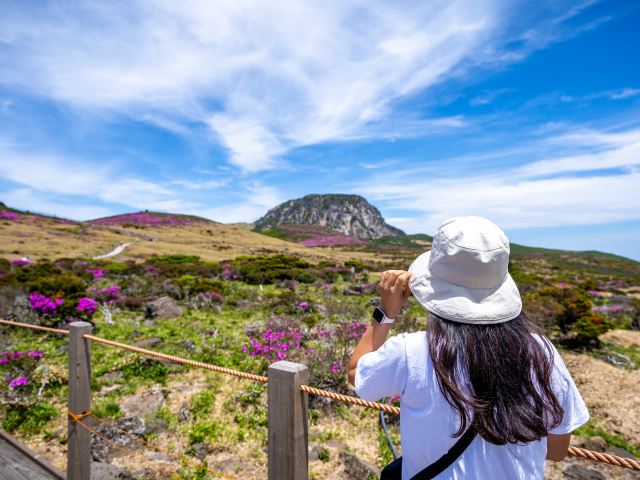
x: 489, y: 96
x: 559, y: 190
x: 265, y: 77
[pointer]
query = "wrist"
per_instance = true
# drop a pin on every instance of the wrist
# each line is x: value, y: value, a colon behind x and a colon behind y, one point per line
x: 390, y: 313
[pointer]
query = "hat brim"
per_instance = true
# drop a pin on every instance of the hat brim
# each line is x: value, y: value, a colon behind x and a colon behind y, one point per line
x: 459, y: 304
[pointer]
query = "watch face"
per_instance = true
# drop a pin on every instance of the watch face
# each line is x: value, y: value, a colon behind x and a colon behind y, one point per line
x: 378, y: 315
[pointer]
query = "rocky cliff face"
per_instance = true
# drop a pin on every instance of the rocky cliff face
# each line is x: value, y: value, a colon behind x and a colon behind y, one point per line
x: 349, y: 214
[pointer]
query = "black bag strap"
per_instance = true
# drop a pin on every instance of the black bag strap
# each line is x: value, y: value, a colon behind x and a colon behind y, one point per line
x: 448, y: 458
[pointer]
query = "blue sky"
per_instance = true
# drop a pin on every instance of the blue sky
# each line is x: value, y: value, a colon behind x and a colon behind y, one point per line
x: 526, y: 113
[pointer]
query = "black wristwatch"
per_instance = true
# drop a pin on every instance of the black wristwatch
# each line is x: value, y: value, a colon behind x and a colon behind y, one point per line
x: 380, y: 317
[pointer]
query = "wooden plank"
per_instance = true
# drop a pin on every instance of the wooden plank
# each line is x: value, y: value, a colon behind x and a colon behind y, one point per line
x: 79, y: 438
x: 288, y: 422
x: 19, y: 462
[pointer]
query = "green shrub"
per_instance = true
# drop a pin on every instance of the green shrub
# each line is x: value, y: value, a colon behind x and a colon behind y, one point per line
x: 569, y: 303
x: 202, y: 403
x: 593, y: 326
x: 107, y: 409
x: 116, y: 267
x: 28, y: 418
x: 155, y: 372
x: 174, y: 259
x: 36, y: 272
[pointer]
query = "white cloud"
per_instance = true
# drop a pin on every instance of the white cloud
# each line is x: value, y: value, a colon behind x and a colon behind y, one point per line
x: 579, y: 194
x: 488, y: 96
x: 266, y: 77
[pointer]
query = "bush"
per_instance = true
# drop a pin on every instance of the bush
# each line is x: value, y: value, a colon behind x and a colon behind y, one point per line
x: 116, y: 267
x: 36, y: 272
x: 67, y: 287
x: 593, y: 326
x: 131, y: 304
x: 174, y: 259
x: 28, y: 418
x: 569, y: 304
x: 155, y: 372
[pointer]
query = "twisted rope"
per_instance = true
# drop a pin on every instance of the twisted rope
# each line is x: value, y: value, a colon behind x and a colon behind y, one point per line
x: 206, y: 366
x: 34, y: 327
x: 352, y: 400
x: 604, y: 458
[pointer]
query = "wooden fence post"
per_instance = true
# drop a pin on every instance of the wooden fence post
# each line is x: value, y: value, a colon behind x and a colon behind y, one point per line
x: 79, y: 438
x: 288, y: 422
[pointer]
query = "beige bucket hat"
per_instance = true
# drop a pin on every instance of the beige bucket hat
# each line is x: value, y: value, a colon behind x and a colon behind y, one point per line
x: 465, y: 277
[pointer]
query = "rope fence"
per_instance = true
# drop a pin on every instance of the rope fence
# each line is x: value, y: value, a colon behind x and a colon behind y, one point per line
x: 573, y: 451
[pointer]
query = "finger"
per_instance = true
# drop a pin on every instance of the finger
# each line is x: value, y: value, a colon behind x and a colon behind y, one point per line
x: 395, y: 274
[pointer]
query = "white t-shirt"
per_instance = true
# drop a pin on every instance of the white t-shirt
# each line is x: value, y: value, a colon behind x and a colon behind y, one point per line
x: 402, y: 366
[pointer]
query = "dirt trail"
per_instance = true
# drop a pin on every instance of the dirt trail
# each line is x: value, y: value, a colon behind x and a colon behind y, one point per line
x: 118, y: 250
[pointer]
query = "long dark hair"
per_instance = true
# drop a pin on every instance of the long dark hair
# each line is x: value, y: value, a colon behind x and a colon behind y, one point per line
x: 510, y: 400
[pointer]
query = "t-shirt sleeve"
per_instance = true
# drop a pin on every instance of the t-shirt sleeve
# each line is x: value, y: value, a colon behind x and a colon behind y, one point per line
x: 383, y: 373
x: 576, y: 413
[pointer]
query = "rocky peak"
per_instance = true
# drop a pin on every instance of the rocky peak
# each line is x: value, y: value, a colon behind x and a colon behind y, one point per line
x: 349, y: 214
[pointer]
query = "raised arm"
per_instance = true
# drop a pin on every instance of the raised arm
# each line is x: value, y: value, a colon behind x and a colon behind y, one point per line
x: 394, y: 292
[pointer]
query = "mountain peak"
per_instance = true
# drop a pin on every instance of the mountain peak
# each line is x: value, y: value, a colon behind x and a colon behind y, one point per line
x: 348, y: 214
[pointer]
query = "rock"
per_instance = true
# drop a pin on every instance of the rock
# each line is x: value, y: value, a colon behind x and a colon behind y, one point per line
x: 337, y: 444
x: 351, y: 215
x: 144, y: 404
x: 149, y: 342
x: 597, y: 444
x: 64, y: 348
x: 184, y: 413
x: 154, y: 426
x: 621, y: 299
x: 351, y: 293
x: 160, y: 457
x: 103, y: 451
x: 108, y: 471
x: 373, y: 302
x: 358, y: 469
x: 199, y: 451
x: 57, y: 433
x: 111, y: 390
x: 164, y: 308
x: 314, y: 452
x: 216, y: 309
x: 621, y: 452
x: 151, y: 361
x: 576, y: 472
x: 233, y: 465
x: 150, y: 323
x: 112, y: 377
x: 187, y: 345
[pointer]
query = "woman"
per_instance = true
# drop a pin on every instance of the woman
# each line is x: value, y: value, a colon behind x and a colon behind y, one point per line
x: 483, y: 383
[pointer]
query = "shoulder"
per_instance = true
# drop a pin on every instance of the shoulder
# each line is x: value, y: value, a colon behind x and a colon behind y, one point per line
x: 408, y: 342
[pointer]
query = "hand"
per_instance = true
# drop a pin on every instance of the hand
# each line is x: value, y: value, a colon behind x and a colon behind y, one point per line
x: 394, y: 291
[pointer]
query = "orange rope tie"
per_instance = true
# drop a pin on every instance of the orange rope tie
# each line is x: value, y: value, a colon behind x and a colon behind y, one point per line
x: 34, y: 327
x: 158, y: 448
x: 135, y: 456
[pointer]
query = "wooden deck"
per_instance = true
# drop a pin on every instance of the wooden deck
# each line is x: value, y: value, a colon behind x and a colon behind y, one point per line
x: 18, y: 462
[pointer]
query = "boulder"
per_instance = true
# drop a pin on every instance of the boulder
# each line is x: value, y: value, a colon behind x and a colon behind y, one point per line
x: 373, y: 302
x: 164, y: 308
x: 146, y: 403
x: 351, y: 293
x: 149, y: 323
x: 314, y: 452
x: 199, y: 451
x: 151, y: 361
x: 103, y: 451
x: 160, y: 457
x: 184, y: 413
x: 108, y: 471
x: 577, y: 472
x: 233, y: 465
x: 112, y: 376
x: 154, y: 426
x: 149, y: 342
x: 597, y: 444
x: 621, y: 452
x: 187, y: 345
x: 358, y: 469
